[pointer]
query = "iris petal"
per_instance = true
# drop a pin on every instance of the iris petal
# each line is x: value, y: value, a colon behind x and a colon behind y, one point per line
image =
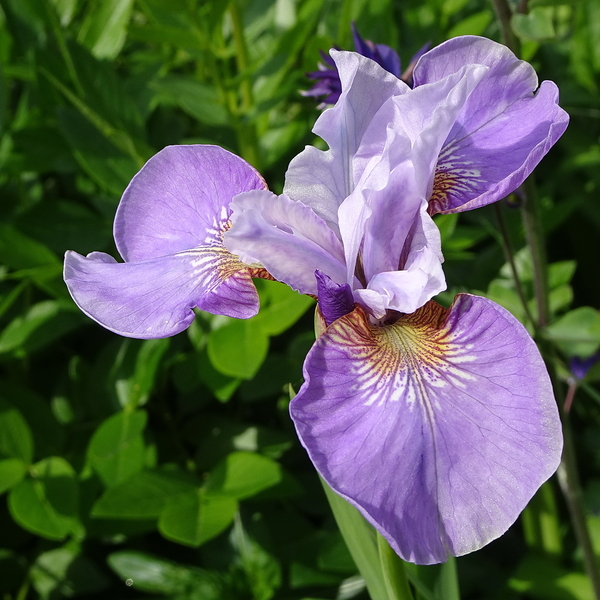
x: 320, y: 179
x: 155, y: 298
x: 179, y: 200
x: 439, y: 428
x: 503, y: 131
x: 286, y: 237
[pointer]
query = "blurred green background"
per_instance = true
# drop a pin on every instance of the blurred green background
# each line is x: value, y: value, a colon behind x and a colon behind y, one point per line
x: 170, y: 468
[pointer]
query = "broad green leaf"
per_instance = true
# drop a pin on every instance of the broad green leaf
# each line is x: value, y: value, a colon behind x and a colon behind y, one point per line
x: 280, y: 306
x: 155, y: 575
x: 194, y: 518
x: 222, y: 386
x: 16, y: 440
x: 198, y: 100
x: 41, y: 325
x: 577, y: 333
x: 475, y: 24
x: 536, y: 26
x: 116, y: 450
x: 143, y: 496
x: 541, y: 578
x: 238, y: 348
x: 65, y: 9
x: 19, y: 251
x: 45, y: 429
x: 105, y: 27
x: 242, y: 475
x: 65, y: 572
x: 560, y: 273
x: 262, y: 569
x: 109, y: 166
x: 134, y: 390
x: 12, y: 471
x: 47, y: 503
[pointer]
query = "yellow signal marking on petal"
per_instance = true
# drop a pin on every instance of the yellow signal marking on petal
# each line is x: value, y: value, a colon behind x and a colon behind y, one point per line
x: 225, y: 263
x: 453, y: 175
x: 405, y: 359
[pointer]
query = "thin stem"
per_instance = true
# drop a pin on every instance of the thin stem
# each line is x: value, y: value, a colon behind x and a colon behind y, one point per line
x: 246, y: 130
x: 535, y: 241
x: 570, y: 396
x: 504, y: 16
x: 508, y: 252
x: 568, y: 478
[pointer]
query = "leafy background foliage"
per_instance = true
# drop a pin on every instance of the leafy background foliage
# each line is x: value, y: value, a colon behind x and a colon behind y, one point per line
x: 170, y: 468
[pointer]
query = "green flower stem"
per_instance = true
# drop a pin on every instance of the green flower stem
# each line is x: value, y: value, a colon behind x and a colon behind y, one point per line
x: 504, y: 16
x: 509, y: 254
x: 568, y: 478
x: 394, y: 575
x: 246, y: 129
x: 535, y: 240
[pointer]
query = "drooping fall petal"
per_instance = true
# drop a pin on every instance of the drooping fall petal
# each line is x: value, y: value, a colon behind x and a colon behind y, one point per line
x: 169, y: 228
x: 439, y: 428
x: 155, y: 298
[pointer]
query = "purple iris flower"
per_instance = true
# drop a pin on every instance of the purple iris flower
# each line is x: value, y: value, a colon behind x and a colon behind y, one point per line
x: 169, y: 230
x: 438, y: 424
x: 327, y: 78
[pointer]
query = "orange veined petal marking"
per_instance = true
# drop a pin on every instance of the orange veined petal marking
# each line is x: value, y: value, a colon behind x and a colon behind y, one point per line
x: 402, y: 361
x: 453, y: 176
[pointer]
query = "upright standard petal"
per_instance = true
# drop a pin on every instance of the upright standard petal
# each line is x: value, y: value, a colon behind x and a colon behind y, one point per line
x: 438, y: 428
x: 169, y: 228
x: 322, y: 180
x: 503, y: 130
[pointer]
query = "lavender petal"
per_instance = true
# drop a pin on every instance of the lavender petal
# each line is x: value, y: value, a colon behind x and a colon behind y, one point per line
x: 438, y: 428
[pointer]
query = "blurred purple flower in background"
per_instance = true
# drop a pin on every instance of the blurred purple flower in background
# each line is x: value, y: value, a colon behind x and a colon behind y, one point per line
x: 327, y: 78
x: 438, y: 424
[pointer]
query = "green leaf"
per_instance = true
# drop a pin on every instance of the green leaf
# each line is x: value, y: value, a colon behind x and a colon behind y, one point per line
x: 262, y: 569
x: 116, y: 450
x: 238, y: 348
x: 242, y: 475
x: 143, y: 496
x: 46, y: 504
x: 280, y: 306
x: 19, y: 251
x: 109, y: 166
x: 16, y: 440
x: 194, y: 518
x: 577, y: 333
x: 540, y: 577
x: 394, y: 574
x: 39, y: 326
x: 105, y: 27
x: 158, y: 576
x: 535, y: 26
x: 560, y: 273
x: 198, y: 100
x: 65, y: 9
x: 12, y: 471
x: 65, y: 572
x: 361, y: 539
x: 475, y: 24
x: 134, y: 390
